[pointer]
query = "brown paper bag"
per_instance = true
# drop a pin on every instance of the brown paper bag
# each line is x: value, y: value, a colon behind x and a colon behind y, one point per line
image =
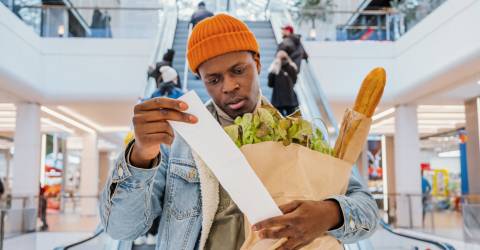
x: 295, y: 172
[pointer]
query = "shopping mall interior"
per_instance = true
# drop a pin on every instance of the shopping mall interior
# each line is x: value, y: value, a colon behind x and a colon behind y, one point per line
x: 71, y: 72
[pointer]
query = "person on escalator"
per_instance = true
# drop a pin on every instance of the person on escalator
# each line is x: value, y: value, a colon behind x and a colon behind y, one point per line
x: 168, y: 86
x: 292, y: 44
x: 282, y: 76
x: 200, y: 14
x: 157, y: 175
x: 167, y: 60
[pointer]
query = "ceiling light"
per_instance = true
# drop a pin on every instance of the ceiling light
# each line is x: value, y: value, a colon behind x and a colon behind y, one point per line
x: 7, y: 107
x: 478, y: 82
x: 7, y: 120
x: 441, y: 122
x: 383, y: 114
x: 91, y: 123
x: 384, y: 122
x: 441, y: 116
x: 67, y: 120
x: 7, y: 113
x: 449, y: 154
x: 441, y: 108
x: 57, y: 125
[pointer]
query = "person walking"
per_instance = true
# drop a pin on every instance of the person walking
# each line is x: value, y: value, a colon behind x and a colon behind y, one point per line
x: 200, y: 14
x: 168, y: 86
x: 42, y: 208
x: 292, y: 44
x: 282, y: 76
x: 167, y: 60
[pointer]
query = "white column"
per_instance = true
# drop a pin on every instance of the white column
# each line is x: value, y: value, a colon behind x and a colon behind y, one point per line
x: 407, y: 167
x: 89, y: 174
x: 26, y: 157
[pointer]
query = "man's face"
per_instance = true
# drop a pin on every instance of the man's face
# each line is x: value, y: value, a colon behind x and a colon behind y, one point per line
x: 232, y: 82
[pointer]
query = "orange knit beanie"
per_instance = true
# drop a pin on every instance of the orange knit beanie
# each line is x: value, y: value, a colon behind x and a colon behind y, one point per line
x: 219, y: 35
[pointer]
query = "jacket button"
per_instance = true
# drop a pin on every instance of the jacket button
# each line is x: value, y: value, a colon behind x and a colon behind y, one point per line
x: 191, y: 174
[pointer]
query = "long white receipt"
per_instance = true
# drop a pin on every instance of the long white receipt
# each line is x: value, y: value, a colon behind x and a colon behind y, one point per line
x: 208, y: 139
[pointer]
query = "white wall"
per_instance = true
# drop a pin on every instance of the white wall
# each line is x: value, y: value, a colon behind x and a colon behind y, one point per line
x: 70, y: 69
x: 452, y: 164
x: 439, y: 51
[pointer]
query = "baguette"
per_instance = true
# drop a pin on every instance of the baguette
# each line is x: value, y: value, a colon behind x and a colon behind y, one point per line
x: 366, y: 102
x: 370, y: 92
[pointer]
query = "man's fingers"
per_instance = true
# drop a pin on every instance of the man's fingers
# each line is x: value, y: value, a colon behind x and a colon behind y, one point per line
x: 291, y: 244
x: 277, y: 233
x: 290, y: 207
x: 163, y: 115
x: 156, y: 127
x: 283, y: 220
x: 161, y: 103
x: 158, y: 138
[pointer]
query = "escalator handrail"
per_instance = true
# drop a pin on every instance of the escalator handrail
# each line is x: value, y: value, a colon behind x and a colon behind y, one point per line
x: 185, y: 68
x: 163, y: 41
x: 308, y: 79
x: 97, y: 234
x: 441, y: 245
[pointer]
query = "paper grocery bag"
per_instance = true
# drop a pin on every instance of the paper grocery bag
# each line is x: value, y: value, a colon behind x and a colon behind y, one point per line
x: 295, y: 172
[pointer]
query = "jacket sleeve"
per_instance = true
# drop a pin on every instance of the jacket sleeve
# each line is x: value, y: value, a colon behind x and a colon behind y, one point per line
x: 271, y: 79
x: 291, y: 68
x: 360, y: 213
x: 132, y: 197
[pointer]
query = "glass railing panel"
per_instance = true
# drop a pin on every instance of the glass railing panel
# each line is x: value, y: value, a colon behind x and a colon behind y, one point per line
x: 325, y: 22
x: 82, y: 21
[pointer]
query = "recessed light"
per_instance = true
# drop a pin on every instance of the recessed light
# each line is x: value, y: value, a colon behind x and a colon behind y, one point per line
x: 478, y: 82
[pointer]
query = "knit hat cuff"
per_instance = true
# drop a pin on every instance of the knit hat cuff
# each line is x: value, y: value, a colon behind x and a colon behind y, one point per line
x: 224, y: 43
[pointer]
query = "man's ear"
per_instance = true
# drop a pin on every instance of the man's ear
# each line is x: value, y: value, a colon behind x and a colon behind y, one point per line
x: 256, y: 57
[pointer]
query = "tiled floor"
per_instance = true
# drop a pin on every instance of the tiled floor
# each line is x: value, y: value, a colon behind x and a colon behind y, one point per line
x: 71, y: 222
x: 43, y: 240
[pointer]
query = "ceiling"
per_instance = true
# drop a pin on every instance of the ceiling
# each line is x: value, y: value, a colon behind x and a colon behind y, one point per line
x: 110, y: 121
x: 432, y: 119
x: 104, y: 114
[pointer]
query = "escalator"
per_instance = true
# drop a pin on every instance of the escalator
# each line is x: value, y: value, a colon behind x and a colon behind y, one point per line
x: 313, y: 105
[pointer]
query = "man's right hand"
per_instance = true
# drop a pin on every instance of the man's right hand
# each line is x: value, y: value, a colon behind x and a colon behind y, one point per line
x: 152, y: 129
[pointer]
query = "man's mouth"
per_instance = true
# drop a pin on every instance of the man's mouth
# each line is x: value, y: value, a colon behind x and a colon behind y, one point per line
x: 236, y: 105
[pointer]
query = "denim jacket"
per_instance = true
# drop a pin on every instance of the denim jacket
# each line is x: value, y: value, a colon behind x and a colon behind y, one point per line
x: 176, y: 191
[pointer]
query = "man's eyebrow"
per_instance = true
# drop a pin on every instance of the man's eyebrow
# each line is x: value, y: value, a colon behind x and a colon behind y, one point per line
x: 236, y: 65
x: 212, y: 74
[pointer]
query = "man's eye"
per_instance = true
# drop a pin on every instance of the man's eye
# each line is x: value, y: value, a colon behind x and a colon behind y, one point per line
x: 213, y: 80
x: 239, y: 70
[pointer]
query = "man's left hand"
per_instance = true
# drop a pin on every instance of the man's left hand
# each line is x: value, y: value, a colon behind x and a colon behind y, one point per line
x: 302, y: 222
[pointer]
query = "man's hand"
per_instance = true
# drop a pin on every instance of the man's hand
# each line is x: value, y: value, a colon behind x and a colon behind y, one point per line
x: 152, y: 129
x: 302, y: 222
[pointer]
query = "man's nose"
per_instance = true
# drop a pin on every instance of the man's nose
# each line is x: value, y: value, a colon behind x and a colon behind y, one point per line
x: 230, y: 85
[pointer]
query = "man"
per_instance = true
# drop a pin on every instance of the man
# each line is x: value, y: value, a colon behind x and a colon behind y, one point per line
x: 158, y: 175
x: 200, y: 14
x: 293, y: 46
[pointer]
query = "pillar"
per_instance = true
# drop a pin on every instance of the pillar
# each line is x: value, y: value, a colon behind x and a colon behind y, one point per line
x: 26, y: 157
x: 388, y: 168
x: 472, y: 120
x: 407, y: 167
x: 471, y: 209
x: 89, y: 174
